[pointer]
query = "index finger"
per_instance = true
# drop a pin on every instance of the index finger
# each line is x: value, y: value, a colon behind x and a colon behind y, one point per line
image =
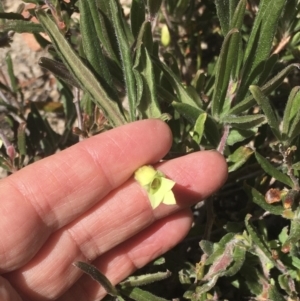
x: 52, y: 192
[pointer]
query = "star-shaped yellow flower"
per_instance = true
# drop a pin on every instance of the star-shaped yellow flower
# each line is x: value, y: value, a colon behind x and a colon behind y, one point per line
x: 158, y: 187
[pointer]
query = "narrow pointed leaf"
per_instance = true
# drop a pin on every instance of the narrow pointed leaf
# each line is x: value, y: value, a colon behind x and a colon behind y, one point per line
x: 239, y: 158
x: 264, y: 103
x: 98, y: 276
x: 246, y: 121
x: 83, y: 75
x: 259, y: 199
x: 295, y: 127
x: 199, y: 128
x: 258, y: 240
x: 223, y: 73
x: 127, y: 63
x: 191, y: 114
x: 12, y: 77
x: 294, y: 235
x: 260, y: 43
x: 235, y: 51
x: 268, y: 67
x: 267, y: 88
x: 287, y: 117
x: 105, y: 31
x: 21, y: 26
x: 145, y: 279
x: 137, y: 16
x: 22, y: 139
x: 272, y: 171
x: 89, y: 19
x: 59, y: 70
x: 225, y: 10
x: 138, y: 294
x: 148, y: 105
x: 239, y: 256
x: 182, y: 94
x: 11, y: 16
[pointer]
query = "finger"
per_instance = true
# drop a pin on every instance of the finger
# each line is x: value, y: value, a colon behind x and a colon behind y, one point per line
x: 124, y: 259
x: 49, y: 194
x: 7, y: 292
x: 122, y: 214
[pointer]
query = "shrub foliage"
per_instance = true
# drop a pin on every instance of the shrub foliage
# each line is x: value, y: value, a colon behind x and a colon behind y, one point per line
x: 223, y: 74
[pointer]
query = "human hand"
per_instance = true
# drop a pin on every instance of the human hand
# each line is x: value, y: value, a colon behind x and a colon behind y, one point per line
x: 83, y: 204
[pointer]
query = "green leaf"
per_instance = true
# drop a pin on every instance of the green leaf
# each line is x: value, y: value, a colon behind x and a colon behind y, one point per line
x: 182, y: 94
x: 260, y: 43
x: 295, y: 127
x: 236, y: 43
x: 192, y: 114
x: 239, y: 158
x: 267, y: 88
x: 275, y: 295
x: 238, y: 135
x: 246, y: 121
x: 272, y: 171
x: 239, y: 256
x: 89, y: 21
x: 223, y: 72
x: 137, y: 16
x: 206, y: 287
x: 145, y: 279
x: 207, y: 247
x: 296, y: 262
x: 225, y: 10
x: 258, y: 199
x: 264, y: 103
x: 296, y: 166
x: 11, y: 16
x: 268, y: 67
x: 22, y: 139
x: 199, y: 128
x: 12, y: 77
x: 258, y: 240
x: 294, y: 235
x: 137, y: 294
x: 83, y: 75
x: 21, y: 26
x: 125, y: 53
x: 98, y: 276
x: 289, y: 113
x: 60, y: 70
x: 148, y: 105
x: 105, y: 30
x: 295, y: 103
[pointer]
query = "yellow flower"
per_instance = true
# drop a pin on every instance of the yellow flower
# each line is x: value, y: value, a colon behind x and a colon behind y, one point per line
x: 158, y: 187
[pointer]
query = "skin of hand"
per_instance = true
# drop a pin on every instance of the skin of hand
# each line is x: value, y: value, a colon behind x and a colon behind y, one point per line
x: 83, y: 204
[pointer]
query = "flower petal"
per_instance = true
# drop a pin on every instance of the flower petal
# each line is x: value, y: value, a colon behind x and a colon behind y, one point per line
x: 169, y: 198
x: 145, y: 175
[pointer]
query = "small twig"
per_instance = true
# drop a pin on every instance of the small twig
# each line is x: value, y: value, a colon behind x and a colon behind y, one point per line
x: 284, y: 41
x: 222, y: 144
x: 78, y: 111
